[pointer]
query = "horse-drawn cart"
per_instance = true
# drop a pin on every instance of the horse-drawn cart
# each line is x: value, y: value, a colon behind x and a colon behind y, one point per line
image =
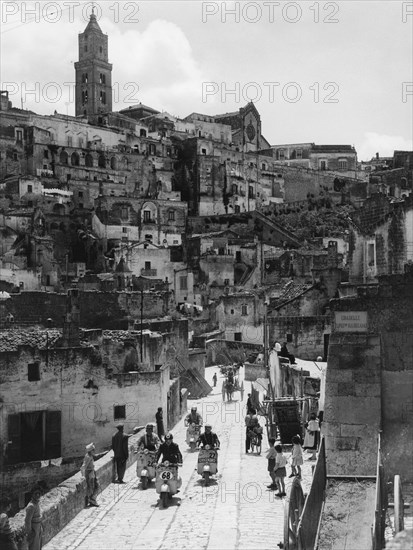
x: 231, y: 383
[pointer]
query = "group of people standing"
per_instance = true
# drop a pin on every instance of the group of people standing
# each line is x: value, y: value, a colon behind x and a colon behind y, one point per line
x: 277, y: 461
x: 33, y: 523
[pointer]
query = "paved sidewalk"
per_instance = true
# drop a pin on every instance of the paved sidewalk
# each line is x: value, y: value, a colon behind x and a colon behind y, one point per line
x: 236, y: 511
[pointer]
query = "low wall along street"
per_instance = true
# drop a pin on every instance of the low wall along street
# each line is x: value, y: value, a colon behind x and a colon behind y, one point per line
x: 60, y: 505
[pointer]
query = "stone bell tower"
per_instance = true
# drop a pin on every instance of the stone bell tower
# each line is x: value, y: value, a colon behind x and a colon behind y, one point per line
x: 93, y: 72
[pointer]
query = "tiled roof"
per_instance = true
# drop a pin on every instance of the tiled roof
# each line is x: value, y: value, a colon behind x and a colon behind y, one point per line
x: 11, y: 339
x: 290, y: 292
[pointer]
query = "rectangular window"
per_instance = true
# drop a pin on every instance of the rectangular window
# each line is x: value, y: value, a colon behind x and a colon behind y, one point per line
x: 19, y: 136
x: 46, y: 154
x: 147, y: 266
x: 342, y: 164
x: 323, y: 165
x: 237, y: 209
x: 33, y: 372
x: 119, y: 412
x: 203, y: 151
x: 238, y: 336
x: 124, y: 229
x: 124, y: 213
x: 183, y: 283
x: 171, y: 215
x: 80, y: 194
x: 289, y: 338
x: 281, y: 154
x: 226, y: 282
x: 30, y: 188
x: 370, y: 255
x: 146, y: 215
x: 33, y: 436
x: 69, y: 141
x: 244, y: 310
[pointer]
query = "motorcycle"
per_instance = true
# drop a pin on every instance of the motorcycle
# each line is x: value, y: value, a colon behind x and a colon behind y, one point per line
x: 192, y: 434
x: 207, y: 463
x: 145, y: 466
x: 167, y: 481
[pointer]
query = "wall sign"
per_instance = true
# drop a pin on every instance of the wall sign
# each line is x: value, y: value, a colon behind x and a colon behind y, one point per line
x: 350, y: 321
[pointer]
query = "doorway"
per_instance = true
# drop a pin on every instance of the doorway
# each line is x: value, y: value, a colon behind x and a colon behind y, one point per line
x: 326, y: 342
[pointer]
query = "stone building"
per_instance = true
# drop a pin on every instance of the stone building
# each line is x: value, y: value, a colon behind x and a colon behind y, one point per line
x: 369, y: 380
x: 93, y: 92
x: 381, y: 238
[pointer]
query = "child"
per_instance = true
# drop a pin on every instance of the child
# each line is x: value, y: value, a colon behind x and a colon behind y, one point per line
x: 296, y: 457
x: 271, y: 455
x: 280, y: 471
x: 7, y: 539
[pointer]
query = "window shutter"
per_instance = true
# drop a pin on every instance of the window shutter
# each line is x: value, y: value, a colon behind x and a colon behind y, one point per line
x: 14, y: 436
x: 53, y: 434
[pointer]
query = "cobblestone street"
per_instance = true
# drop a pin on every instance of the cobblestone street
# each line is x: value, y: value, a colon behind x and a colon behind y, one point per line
x: 237, y: 511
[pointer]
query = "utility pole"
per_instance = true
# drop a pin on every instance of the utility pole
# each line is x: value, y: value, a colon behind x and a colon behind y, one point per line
x: 141, y: 339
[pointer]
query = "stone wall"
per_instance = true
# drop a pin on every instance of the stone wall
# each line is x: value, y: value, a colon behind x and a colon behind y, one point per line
x: 307, y: 333
x: 60, y: 505
x: 369, y: 383
x: 352, y: 410
x: 97, y: 309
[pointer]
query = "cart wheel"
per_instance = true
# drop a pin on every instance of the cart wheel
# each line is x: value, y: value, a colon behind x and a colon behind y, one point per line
x: 292, y: 512
x: 206, y: 478
x: 242, y: 391
x: 144, y: 481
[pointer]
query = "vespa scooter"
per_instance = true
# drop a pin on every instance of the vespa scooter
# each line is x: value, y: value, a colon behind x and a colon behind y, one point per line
x: 145, y: 466
x: 207, y: 463
x: 192, y: 435
x: 167, y: 481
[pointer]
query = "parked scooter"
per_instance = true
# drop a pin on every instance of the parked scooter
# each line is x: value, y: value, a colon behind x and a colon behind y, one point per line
x: 146, y: 466
x: 207, y: 463
x: 167, y: 481
x: 192, y: 435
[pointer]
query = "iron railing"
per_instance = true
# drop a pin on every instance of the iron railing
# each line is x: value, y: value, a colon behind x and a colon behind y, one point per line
x: 381, y: 502
x: 308, y: 525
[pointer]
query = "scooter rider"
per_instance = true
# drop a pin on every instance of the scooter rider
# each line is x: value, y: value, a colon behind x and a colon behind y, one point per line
x: 193, y: 418
x: 149, y: 440
x: 169, y: 451
x: 208, y: 438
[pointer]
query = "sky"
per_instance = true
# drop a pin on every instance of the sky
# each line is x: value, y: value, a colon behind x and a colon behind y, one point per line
x: 322, y: 72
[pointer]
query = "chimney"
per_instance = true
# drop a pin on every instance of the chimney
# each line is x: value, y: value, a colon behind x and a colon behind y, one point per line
x: 71, y: 323
x: 377, y: 156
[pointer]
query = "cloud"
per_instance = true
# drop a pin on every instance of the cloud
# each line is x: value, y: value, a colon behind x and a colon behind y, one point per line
x: 154, y: 65
x: 383, y: 144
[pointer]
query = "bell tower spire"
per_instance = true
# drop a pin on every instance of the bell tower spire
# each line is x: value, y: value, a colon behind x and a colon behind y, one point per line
x: 93, y: 72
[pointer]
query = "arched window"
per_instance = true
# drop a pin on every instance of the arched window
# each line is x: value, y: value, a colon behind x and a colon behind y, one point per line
x: 113, y: 163
x: 64, y: 158
x: 89, y: 160
x: 102, y: 161
x: 74, y: 159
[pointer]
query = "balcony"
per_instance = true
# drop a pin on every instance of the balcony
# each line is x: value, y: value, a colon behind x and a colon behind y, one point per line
x: 149, y: 272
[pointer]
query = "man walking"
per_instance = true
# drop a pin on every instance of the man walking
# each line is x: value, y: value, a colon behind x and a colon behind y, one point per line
x: 120, y: 451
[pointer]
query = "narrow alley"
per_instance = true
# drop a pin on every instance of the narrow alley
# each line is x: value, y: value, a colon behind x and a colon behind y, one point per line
x: 235, y: 511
